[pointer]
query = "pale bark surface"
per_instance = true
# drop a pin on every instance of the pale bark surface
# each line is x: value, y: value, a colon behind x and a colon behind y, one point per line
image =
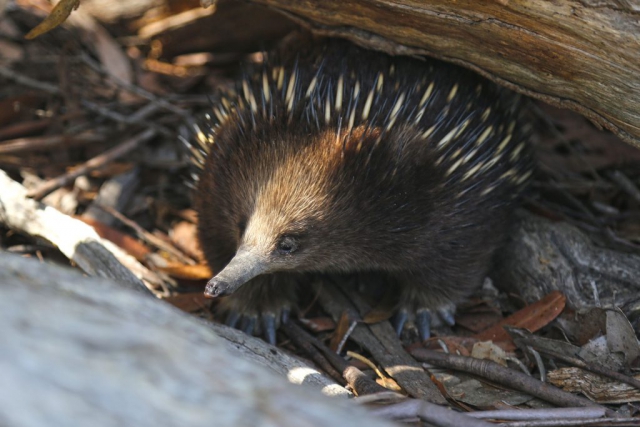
x: 79, y: 351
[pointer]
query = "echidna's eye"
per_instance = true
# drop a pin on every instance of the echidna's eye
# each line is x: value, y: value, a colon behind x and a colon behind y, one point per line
x: 287, y: 245
x: 242, y: 225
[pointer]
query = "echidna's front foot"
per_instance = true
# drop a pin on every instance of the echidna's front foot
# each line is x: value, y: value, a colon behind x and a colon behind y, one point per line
x: 424, y: 318
x: 267, y: 324
x: 260, y: 306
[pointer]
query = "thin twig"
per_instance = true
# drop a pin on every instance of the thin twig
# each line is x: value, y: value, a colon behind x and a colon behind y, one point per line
x: 144, y: 112
x: 98, y: 109
x: 130, y: 119
x: 626, y: 184
x: 596, y: 422
x: 357, y: 380
x: 430, y: 413
x: 146, y: 236
x: 381, y: 341
x: 30, y: 127
x: 29, y: 82
x: 504, y: 376
x: 95, y: 163
x: 46, y: 142
x: 600, y: 370
x: 560, y: 137
x: 539, y: 414
x: 133, y: 88
x: 305, y: 342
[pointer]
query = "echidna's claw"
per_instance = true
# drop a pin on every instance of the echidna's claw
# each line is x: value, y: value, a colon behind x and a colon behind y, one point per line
x: 286, y: 313
x: 260, y: 307
x: 423, y: 318
x: 446, y: 314
x: 269, y: 323
x: 248, y: 324
x: 232, y: 319
x: 269, y: 327
x: 423, y: 322
x: 399, y: 319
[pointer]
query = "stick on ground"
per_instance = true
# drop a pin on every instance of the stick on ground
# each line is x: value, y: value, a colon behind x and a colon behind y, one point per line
x: 97, y: 162
x: 75, y: 239
x: 506, y: 377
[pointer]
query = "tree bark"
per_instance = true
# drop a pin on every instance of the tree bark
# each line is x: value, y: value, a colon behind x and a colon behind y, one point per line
x: 580, y: 54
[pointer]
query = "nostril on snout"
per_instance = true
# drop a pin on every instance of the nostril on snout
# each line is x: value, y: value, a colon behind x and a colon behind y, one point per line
x: 215, y: 288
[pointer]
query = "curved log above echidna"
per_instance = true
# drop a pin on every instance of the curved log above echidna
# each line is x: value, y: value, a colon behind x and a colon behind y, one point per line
x: 583, y: 54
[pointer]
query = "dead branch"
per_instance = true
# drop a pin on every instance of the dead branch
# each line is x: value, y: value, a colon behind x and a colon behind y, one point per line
x: 76, y: 240
x: 432, y: 414
x: 504, y: 376
x: 93, y: 164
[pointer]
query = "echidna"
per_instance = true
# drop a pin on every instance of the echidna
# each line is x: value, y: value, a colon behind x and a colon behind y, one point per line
x: 335, y: 159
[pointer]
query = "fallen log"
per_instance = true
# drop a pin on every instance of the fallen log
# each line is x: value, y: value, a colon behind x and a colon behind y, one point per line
x: 582, y: 55
x: 80, y: 351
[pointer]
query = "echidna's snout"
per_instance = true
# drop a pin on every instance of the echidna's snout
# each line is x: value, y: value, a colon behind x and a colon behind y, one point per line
x: 244, y: 266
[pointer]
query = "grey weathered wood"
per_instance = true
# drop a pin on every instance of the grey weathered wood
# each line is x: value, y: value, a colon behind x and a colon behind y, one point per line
x: 280, y: 362
x: 76, y: 240
x: 78, y: 351
x: 542, y: 256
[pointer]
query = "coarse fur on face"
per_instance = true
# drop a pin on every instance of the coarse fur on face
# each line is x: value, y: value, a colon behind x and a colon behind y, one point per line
x: 343, y: 160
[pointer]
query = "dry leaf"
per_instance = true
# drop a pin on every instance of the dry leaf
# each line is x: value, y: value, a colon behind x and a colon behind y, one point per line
x: 189, y: 302
x: 383, y: 310
x: 376, y: 315
x: 532, y: 317
x: 129, y: 244
x: 185, y: 236
x: 58, y: 15
x: 319, y: 324
x: 478, y: 322
x: 187, y: 272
